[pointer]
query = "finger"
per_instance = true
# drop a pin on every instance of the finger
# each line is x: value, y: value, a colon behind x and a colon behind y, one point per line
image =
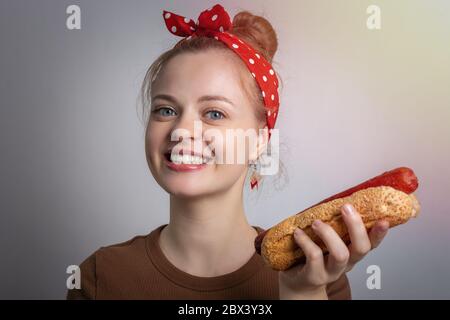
x: 378, y: 232
x: 313, y: 253
x: 338, y: 251
x: 360, y: 242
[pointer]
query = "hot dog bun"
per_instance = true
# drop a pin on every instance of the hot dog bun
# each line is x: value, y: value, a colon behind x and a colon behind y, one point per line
x: 279, y: 250
x: 402, y: 178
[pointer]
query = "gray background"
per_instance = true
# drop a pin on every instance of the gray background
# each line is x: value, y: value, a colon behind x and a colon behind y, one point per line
x: 355, y: 103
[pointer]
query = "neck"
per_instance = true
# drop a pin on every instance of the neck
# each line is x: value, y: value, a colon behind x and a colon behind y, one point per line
x: 204, y: 230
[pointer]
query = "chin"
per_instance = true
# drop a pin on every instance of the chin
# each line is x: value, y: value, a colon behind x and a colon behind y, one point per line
x: 187, y: 188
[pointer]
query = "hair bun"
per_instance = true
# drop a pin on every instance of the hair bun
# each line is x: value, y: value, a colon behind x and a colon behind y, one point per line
x: 257, y: 31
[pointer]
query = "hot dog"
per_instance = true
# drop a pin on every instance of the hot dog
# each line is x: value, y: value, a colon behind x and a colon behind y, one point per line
x: 387, y: 196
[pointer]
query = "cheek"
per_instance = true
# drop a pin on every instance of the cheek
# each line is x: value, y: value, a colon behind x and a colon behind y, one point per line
x: 236, y: 145
x: 229, y: 173
x: 154, y: 140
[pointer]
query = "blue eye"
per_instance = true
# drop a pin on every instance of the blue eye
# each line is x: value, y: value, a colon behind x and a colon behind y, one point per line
x: 216, y: 115
x: 165, y: 112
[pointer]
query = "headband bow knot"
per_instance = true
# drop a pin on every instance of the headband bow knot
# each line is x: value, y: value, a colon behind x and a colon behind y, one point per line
x: 209, y: 23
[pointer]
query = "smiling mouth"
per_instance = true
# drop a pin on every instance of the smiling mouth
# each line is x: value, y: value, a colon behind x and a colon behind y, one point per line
x: 188, y: 159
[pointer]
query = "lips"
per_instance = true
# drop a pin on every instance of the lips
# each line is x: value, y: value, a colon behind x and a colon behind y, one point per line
x: 182, y: 167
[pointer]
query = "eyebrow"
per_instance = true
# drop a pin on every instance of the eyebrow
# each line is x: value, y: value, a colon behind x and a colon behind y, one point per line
x: 201, y: 99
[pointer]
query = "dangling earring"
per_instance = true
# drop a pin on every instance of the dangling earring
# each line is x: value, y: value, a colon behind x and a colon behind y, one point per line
x: 255, y: 177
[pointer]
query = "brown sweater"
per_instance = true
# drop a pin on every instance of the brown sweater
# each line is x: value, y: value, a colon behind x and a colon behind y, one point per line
x: 138, y: 269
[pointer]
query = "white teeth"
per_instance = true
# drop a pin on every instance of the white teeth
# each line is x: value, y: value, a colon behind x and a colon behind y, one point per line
x: 187, y: 159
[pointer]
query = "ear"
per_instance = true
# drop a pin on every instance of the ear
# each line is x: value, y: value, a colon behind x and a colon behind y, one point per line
x: 262, y: 142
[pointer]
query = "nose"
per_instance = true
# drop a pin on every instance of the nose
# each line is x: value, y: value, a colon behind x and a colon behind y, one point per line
x: 188, y: 127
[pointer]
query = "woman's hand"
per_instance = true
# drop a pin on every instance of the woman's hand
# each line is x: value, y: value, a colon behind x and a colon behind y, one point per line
x: 309, y: 281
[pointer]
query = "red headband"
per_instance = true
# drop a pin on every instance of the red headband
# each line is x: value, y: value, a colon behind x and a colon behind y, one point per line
x: 214, y: 23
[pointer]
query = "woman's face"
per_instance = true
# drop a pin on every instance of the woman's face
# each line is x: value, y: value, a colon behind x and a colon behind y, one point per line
x: 186, y: 96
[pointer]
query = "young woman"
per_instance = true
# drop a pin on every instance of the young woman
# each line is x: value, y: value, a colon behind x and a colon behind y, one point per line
x: 217, y: 78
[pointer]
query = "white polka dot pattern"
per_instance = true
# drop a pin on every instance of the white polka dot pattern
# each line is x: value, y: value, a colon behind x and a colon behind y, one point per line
x: 215, y: 23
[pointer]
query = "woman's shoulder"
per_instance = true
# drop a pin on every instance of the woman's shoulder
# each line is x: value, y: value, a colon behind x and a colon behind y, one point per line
x: 122, y: 251
x: 110, y: 262
x: 137, y: 242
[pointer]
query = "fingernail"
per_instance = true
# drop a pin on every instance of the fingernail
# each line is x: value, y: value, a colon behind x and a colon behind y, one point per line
x: 298, y: 232
x: 348, y: 209
x: 316, y: 223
